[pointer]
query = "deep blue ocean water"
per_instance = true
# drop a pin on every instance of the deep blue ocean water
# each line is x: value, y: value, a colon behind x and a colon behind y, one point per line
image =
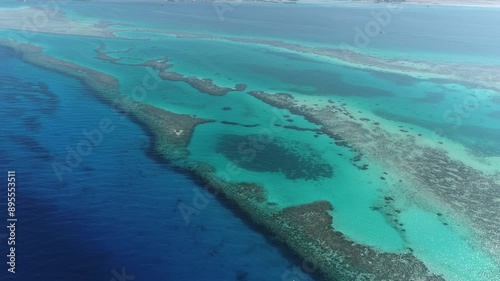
x: 117, y: 209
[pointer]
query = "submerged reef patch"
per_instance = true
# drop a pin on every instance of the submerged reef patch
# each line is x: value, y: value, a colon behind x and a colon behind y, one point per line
x: 294, y: 159
x: 37, y: 93
x: 324, y: 82
x: 430, y: 97
x: 474, y: 137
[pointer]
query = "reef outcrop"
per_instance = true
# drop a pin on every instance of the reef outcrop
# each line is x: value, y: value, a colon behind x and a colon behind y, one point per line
x: 204, y: 85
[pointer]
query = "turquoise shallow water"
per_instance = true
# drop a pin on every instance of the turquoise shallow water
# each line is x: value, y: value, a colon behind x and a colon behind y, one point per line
x: 418, y: 106
x: 451, y: 249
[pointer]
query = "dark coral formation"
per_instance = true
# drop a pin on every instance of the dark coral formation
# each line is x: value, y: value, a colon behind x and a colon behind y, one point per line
x: 295, y: 160
x: 319, y: 82
x: 240, y: 87
x: 204, y: 85
x: 102, y: 55
x: 478, y: 136
x: 158, y: 64
x: 37, y: 93
x: 239, y: 124
x: 290, y: 127
x: 106, y: 57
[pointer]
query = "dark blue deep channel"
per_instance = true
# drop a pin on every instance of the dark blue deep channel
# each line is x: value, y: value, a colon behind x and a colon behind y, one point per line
x: 115, y: 215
